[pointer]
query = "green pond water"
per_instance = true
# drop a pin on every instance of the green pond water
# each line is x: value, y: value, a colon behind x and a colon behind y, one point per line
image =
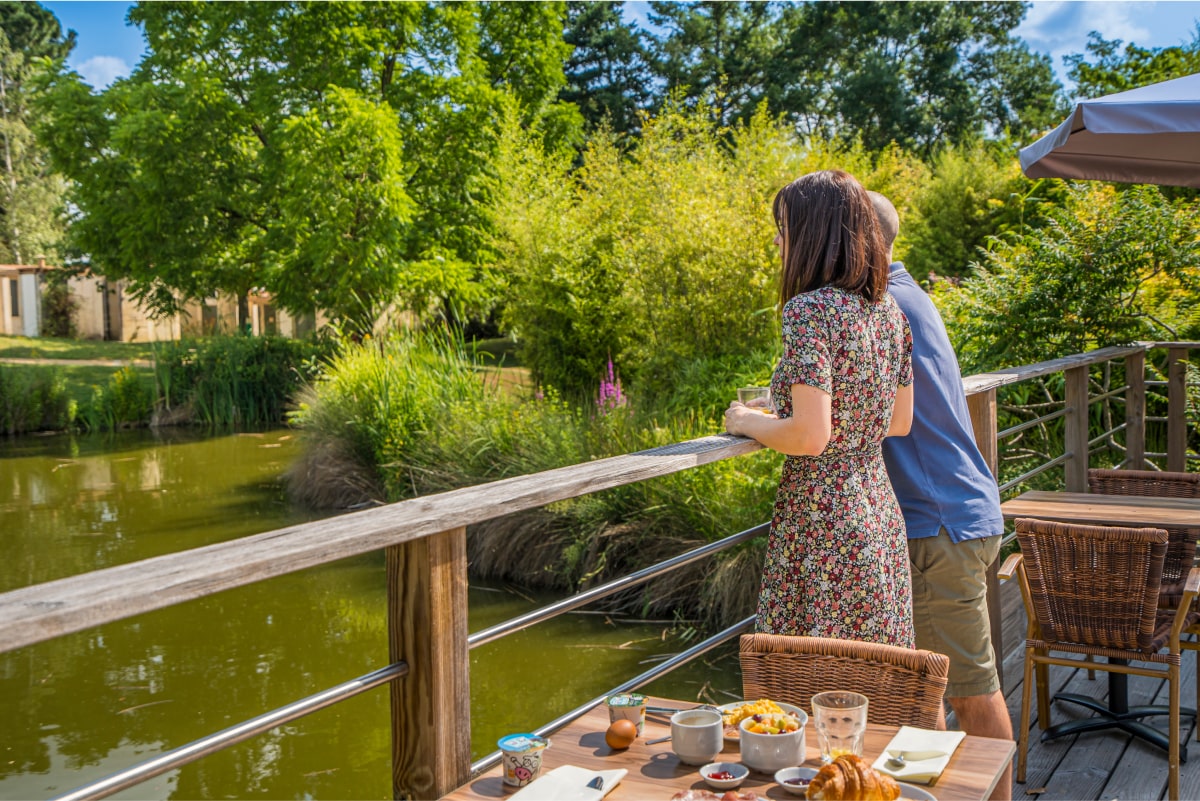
x: 86, y: 705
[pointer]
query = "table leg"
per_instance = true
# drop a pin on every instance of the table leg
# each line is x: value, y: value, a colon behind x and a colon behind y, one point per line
x: 1117, y: 714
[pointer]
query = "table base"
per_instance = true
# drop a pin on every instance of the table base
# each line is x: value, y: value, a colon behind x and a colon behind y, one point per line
x: 1118, y: 716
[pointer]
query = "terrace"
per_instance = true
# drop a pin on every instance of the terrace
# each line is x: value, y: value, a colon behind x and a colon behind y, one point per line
x: 1120, y: 406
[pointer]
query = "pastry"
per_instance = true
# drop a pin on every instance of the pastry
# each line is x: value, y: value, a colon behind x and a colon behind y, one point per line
x: 851, y: 778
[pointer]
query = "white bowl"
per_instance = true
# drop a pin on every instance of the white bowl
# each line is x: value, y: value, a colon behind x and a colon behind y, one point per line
x: 782, y: 776
x: 739, y: 771
x: 768, y: 753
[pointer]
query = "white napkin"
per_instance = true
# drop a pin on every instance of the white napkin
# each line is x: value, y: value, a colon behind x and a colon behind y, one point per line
x: 569, y: 783
x: 925, y: 751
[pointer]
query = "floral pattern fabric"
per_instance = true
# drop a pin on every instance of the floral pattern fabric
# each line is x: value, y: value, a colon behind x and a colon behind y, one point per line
x: 837, y: 558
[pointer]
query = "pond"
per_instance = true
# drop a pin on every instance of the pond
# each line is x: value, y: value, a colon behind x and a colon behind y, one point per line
x: 86, y: 705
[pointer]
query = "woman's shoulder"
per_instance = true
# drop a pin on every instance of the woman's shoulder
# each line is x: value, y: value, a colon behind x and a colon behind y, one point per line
x: 816, y: 300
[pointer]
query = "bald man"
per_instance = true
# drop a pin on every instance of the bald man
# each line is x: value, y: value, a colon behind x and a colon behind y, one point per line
x: 951, y: 507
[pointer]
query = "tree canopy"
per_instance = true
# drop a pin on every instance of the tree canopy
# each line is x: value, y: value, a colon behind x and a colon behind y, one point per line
x: 329, y: 153
x: 30, y: 223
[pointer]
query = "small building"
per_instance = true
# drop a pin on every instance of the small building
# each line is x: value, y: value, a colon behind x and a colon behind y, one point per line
x: 21, y: 298
x: 104, y: 309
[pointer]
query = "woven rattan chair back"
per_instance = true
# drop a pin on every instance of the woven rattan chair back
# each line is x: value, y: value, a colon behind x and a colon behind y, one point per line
x: 905, y: 686
x: 1181, y: 547
x: 1095, y: 586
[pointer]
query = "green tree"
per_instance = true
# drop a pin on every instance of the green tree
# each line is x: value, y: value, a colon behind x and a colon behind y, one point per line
x: 330, y: 153
x: 1107, y: 68
x: 1096, y: 274
x: 919, y: 74
x: 717, y: 51
x: 32, y: 195
x: 972, y: 193
x: 607, y: 72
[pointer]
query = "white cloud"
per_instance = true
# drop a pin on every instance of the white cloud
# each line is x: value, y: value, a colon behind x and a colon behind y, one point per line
x: 100, y: 71
x: 1061, y: 27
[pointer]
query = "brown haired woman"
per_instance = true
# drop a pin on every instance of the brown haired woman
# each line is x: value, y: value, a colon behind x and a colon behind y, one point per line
x: 837, y: 558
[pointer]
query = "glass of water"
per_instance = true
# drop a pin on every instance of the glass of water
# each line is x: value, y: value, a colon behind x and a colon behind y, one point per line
x: 840, y: 718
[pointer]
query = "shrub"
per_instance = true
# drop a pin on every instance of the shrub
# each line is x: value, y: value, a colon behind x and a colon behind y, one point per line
x: 376, y: 399
x: 656, y: 256
x: 58, y: 308
x: 33, y: 399
x: 1089, y: 277
x: 237, y: 380
x: 414, y: 415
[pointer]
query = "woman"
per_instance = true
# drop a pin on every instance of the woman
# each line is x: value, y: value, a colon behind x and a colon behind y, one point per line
x: 837, y: 559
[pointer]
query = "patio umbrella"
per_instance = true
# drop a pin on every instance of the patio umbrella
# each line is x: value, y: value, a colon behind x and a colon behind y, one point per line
x: 1149, y: 135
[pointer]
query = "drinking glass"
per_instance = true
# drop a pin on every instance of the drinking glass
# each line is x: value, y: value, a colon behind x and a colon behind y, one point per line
x: 758, y: 398
x: 840, y: 718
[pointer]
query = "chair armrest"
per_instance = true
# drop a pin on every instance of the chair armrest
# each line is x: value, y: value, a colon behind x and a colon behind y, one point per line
x: 1009, y: 568
x: 1190, y: 588
x: 1193, y: 581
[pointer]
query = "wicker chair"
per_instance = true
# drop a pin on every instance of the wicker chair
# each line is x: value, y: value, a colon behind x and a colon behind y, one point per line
x: 1093, y: 590
x: 905, y: 686
x: 1181, y: 545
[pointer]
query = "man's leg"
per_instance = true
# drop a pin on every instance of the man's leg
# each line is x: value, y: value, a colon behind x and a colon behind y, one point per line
x: 950, y: 615
x: 987, y: 716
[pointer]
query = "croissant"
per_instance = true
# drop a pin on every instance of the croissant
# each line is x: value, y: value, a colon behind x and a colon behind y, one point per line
x: 850, y: 778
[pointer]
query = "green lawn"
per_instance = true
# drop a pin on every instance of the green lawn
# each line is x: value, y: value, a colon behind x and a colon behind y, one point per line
x: 79, y: 378
x: 51, y: 348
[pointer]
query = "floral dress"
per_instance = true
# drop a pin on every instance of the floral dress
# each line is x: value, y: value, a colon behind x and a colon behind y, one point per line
x: 837, y: 558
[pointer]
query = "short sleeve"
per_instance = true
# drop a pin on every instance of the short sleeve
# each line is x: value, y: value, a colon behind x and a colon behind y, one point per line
x: 806, y: 346
x: 906, y: 365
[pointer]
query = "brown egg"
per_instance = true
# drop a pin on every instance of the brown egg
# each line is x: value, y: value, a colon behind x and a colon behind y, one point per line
x: 621, y: 734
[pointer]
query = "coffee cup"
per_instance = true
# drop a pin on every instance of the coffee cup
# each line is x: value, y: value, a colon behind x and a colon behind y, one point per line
x: 697, y: 735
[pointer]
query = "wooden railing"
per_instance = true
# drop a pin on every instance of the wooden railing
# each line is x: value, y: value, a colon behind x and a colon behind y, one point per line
x: 425, y: 544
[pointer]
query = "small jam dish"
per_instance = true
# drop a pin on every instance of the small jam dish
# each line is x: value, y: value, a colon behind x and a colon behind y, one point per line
x: 795, y: 780
x: 724, y: 775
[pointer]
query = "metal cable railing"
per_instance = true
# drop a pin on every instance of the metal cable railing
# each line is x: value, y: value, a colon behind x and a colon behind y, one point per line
x: 632, y: 580
x: 233, y: 735
x: 637, y: 681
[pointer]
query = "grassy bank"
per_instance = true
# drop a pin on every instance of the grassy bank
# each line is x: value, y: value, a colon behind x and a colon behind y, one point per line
x: 421, y: 415
x: 102, y: 386
x: 75, y: 349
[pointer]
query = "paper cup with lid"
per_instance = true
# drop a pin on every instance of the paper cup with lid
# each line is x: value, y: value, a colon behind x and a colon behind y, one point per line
x: 521, y: 756
x: 627, y: 706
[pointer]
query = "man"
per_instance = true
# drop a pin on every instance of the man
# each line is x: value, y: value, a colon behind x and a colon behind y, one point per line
x: 951, y: 507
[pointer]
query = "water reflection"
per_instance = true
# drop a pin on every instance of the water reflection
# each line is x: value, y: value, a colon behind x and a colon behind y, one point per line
x: 80, y: 707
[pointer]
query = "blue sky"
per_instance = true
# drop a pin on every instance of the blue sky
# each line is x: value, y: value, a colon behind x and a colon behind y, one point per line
x: 109, y: 49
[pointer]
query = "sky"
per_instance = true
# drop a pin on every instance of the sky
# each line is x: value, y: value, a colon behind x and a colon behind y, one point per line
x: 108, y: 49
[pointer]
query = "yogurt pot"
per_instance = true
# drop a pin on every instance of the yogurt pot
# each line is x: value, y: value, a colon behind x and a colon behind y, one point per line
x: 521, y: 756
x: 627, y: 706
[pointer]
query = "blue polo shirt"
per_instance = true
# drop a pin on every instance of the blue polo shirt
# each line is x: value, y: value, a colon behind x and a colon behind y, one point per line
x: 937, y: 471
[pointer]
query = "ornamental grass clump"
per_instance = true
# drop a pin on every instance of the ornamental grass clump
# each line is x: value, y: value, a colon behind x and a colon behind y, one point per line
x: 371, y: 408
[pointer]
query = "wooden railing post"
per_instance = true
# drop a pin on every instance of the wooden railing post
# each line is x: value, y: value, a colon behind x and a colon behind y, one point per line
x: 427, y: 628
x: 982, y: 406
x: 1075, y: 438
x: 1135, y: 411
x: 1177, y: 409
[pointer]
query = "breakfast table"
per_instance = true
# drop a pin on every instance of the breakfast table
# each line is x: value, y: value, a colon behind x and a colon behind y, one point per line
x: 1095, y: 509
x: 654, y: 772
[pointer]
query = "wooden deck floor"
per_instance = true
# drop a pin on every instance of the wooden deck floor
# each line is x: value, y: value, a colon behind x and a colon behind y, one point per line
x: 1098, y: 765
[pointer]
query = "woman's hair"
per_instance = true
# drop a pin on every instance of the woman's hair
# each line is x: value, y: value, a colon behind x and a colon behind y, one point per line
x: 831, y: 237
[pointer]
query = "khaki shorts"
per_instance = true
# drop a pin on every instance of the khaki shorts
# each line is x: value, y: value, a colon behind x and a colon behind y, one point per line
x: 950, y: 612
